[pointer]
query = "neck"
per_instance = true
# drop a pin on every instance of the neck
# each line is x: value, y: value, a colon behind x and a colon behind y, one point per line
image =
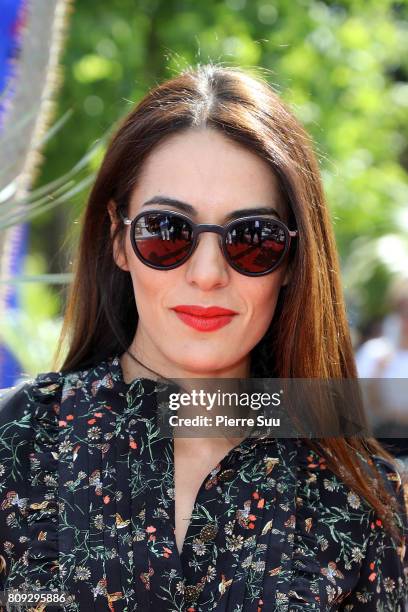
x: 157, y: 364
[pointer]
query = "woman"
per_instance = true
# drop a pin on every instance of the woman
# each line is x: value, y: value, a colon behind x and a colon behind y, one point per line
x: 95, y: 502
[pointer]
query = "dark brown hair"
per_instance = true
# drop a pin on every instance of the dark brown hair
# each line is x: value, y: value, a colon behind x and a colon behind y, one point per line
x: 309, y: 335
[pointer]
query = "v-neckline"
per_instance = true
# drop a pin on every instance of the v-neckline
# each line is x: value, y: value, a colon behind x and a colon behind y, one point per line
x: 239, y: 447
x: 243, y: 447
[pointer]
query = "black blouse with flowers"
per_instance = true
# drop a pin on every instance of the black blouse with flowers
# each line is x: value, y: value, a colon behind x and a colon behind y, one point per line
x: 87, y: 509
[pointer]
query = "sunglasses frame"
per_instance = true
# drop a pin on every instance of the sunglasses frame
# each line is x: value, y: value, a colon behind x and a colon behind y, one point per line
x: 199, y: 228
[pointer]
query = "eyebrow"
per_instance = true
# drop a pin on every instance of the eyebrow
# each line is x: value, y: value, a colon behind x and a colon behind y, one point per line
x: 188, y: 208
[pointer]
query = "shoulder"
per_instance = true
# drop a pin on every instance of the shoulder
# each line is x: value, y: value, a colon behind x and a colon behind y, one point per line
x: 387, y: 467
x: 43, y: 384
x: 14, y: 404
x: 395, y: 478
x: 47, y: 387
x: 37, y: 399
x: 331, y: 484
x: 11, y: 397
x: 44, y: 388
x: 393, y: 474
x: 392, y: 478
x: 20, y: 402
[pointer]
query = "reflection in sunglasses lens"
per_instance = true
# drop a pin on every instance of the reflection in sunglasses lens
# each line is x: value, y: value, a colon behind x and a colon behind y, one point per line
x: 163, y: 239
x: 256, y: 246
x: 253, y: 246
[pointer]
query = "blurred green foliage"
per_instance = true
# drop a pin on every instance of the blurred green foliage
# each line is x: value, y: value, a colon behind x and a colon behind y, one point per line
x: 342, y: 66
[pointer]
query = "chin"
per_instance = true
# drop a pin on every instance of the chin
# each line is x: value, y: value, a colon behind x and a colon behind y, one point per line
x: 204, y: 366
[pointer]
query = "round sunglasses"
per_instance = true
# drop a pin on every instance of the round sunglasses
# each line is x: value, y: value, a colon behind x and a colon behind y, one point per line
x: 164, y: 239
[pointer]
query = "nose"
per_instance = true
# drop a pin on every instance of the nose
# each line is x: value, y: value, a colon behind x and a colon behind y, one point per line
x: 207, y: 267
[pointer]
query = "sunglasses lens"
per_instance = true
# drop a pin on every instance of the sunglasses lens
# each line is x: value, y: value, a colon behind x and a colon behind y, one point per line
x: 256, y: 246
x: 162, y: 240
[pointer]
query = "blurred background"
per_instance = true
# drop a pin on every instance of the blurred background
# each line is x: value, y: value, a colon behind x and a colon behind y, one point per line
x: 70, y: 70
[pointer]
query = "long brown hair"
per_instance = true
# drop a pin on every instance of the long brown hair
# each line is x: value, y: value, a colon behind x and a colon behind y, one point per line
x: 309, y: 335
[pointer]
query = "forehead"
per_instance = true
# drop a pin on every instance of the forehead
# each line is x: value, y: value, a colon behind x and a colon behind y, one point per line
x: 209, y: 171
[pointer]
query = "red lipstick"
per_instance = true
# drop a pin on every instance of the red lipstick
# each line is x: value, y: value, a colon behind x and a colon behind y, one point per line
x: 204, y: 319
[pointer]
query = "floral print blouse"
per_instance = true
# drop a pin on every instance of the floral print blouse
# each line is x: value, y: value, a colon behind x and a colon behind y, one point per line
x: 87, y: 508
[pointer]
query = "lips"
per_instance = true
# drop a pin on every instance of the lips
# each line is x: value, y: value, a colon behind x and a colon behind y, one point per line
x: 204, y: 311
x: 204, y: 319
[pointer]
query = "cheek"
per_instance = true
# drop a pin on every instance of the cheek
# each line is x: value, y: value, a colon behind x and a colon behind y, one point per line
x: 261, y: 297
x: 150, y: 286
x: 146, y: 286
x: 143, y: 279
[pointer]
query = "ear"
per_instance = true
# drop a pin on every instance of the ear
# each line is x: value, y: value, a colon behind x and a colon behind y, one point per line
x: 118, y: 254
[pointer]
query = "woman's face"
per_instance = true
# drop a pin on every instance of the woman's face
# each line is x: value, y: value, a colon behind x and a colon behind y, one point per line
x: 215, y: 177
